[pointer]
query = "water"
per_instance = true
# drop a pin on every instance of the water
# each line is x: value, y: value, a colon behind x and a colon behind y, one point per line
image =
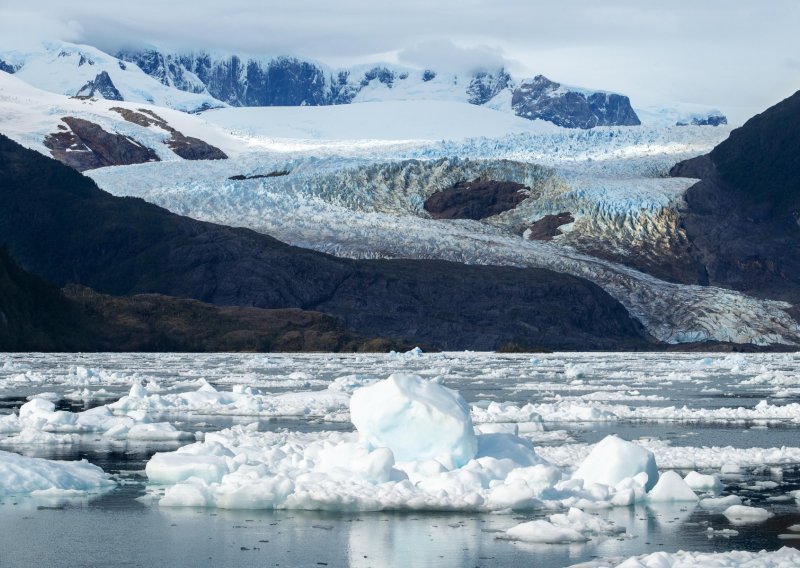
x: 126, y: 528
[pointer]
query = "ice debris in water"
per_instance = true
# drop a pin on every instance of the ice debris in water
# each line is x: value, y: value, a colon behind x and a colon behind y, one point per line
x: 38, y: 422
x: 783, y: 558
x: 415, y: 448
x: 417, y: 419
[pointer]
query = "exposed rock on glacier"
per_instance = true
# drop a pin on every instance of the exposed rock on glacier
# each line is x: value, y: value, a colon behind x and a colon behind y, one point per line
x: 87, y: 146
x: 476, y: 199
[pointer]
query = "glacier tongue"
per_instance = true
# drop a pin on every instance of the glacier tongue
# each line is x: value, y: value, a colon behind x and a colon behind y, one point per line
x: 353, y: 207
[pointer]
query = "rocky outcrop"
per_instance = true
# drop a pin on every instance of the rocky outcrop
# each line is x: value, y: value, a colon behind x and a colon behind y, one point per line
x: 7, y: 67
x: 743, y: 218
x: 276, y: 173
x: 544, y: 99
x: 713, y: 119
x: 61, y: 226
x: 547, y: 227
x: 283, y: 81
x: 85, y: 146
x: 484, y: 86
x: 187, y: 147
x: 476, y: 199
x: 101, y: 87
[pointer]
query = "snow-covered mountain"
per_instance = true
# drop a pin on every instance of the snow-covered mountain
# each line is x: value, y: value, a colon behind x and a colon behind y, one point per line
x: 200, y: 80
x: 288, y: 81
x: 85, y: 71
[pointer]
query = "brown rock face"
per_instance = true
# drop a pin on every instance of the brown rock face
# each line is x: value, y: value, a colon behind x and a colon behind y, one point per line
x: 153, y: 322
x: 548, y: 226
x: 476, y: 199
x: 187, y: 147
x: 86, y: 146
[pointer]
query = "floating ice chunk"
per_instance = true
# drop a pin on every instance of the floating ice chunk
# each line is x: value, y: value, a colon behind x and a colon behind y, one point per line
x: 700, y: 482
x: 573, y: 526
x: 742, y: 514
x: 720, y: 502
x: 417, y: 419
x: 416, y: 352
x: 22, y: 475
x: 613, y: 460
x: 726, y: 533
x: 671, y: 488
x: 544, y: 532
x: 208, y: 461
x: 502, y: 412
x: 585, y: 523
x: 350, y: 383
x: 160, y: 431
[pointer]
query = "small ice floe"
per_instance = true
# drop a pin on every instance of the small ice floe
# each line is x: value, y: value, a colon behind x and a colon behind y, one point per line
x: 720, y: 502
x: 744, y: 515
x: 36, y: 477
x: 725, y: 533
x: 573, y: 526
x: 700, y: 482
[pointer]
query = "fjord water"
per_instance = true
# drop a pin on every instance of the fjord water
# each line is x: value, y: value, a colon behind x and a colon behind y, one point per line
x: 127, y: 527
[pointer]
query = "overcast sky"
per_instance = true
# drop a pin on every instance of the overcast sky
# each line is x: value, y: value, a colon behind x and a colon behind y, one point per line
x: 738, y: 55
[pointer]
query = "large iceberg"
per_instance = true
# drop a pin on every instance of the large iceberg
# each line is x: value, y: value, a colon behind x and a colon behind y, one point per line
x: 417, y: 419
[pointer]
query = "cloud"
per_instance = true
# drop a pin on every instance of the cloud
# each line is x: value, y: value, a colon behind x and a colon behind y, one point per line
x: 445, y: 54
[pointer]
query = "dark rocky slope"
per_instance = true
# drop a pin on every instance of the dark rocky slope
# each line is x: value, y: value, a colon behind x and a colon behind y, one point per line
x: 743, y: 217
x: 37, y: 316
x: 34, y: 315
x: 61, y: 226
